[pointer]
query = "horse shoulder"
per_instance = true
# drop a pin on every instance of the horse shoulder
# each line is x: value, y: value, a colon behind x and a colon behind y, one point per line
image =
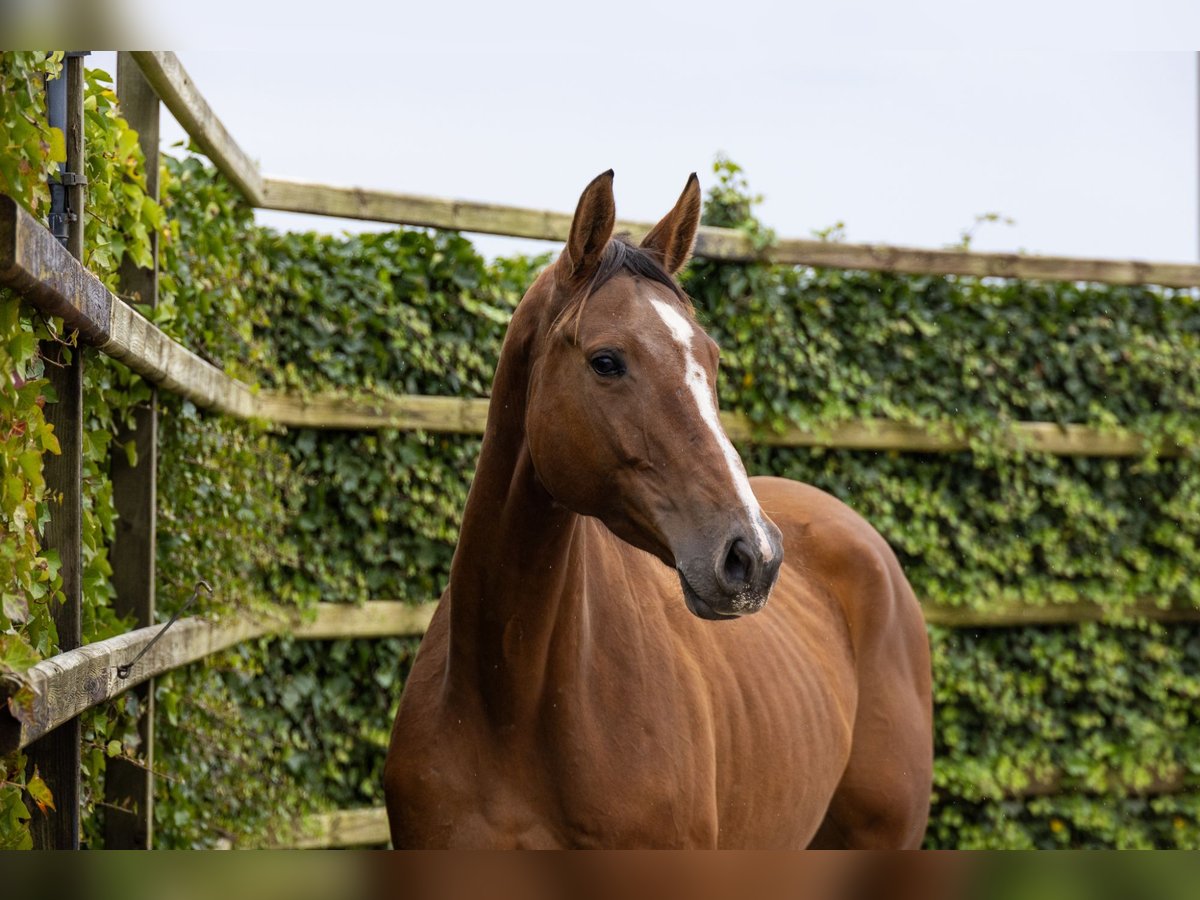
x: 883, y: 797
x: 839, y: 552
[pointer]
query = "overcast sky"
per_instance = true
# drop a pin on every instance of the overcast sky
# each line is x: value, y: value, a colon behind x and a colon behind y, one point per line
x: 1091, y: 153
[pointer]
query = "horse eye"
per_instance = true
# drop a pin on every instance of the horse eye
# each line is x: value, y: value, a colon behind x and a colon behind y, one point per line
x: 607, y: 365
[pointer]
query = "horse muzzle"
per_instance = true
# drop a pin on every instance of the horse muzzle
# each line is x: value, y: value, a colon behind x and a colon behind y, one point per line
x: 736, y: 581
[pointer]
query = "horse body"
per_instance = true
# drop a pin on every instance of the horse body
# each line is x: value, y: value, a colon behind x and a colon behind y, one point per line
x: 565, y: 697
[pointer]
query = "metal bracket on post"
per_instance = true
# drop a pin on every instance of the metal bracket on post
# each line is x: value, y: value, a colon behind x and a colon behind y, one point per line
x: 61, y: 215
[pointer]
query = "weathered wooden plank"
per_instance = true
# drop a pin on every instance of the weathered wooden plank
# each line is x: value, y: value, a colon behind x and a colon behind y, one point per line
x: 177, y: 90
x: 920, y: 261
x: 32, y: 262
x: 59, y: 688
x: 57, y: 756
x: 430, y: 212
x: 455, y: 415
x: 378, y: 618
x: 139, y: 344
x: 714, y: 243
x: 880, y: 434
x: 343, y: 828
x: 37, y: 265
x: 469, y: 416
x: 1003, y: 615
x: 129, y: 788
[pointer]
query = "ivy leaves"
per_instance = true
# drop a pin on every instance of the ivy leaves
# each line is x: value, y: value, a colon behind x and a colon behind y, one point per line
x: 30, y: 149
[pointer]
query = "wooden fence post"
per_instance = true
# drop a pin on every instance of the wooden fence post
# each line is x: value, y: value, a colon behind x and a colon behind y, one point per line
x: 57, y: 756
x: 129, y: 788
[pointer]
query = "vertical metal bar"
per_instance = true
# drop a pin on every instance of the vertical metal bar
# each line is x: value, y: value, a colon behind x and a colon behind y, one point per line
x: 56, y: 113
x: 57, y: 756
x: 129, y: 789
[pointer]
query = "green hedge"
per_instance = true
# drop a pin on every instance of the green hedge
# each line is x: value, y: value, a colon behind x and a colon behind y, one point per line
x: 257, y: 736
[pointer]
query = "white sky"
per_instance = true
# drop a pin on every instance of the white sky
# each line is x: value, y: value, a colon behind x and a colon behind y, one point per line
x: 839, y: 112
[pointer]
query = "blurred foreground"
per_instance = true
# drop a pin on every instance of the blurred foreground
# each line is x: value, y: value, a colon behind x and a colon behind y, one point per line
x: 697, y: 876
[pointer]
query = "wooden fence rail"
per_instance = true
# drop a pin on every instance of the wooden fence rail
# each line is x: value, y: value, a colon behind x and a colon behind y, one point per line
x: 712, y: 243
x: 57, y: 689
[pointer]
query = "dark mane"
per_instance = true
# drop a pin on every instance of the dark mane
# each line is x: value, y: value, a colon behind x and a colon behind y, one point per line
x: 621, y: 255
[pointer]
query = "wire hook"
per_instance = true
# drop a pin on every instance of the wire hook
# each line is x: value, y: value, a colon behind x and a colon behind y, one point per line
x: 124, y: 670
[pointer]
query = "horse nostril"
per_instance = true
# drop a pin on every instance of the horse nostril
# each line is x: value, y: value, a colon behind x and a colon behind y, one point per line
x: 738, y: 565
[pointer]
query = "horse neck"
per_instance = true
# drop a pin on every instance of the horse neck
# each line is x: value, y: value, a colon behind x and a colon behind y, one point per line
x: 516, y: 575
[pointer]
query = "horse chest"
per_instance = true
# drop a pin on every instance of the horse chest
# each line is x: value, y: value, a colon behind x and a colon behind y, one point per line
x: 570, y: 778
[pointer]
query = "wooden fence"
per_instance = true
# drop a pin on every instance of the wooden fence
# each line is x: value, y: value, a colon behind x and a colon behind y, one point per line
x: 42, y: 707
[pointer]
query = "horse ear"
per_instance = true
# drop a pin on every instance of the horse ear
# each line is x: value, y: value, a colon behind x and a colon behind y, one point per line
x: 591, y: 228
x: 674, y: 237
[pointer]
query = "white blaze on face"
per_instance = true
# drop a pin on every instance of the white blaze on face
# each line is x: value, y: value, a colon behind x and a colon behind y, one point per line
x: 684, y: 333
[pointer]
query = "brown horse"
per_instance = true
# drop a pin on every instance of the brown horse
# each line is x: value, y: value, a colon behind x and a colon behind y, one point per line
x: 564, y: 696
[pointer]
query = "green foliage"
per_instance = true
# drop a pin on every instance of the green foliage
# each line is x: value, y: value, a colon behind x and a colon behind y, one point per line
x: 406, y: 312
x: 224, y: 487
x: 28, y: 578
x: 1085, y: 720
x: 119, y: 215
x: 227, y: 497
x: 30, y: 149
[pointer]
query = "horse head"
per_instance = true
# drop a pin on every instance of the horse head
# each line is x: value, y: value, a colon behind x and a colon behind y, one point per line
x: 621, y: 412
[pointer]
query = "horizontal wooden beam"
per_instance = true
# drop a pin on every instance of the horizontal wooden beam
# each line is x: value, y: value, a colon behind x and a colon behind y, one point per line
x: 173, y: 86
x: 469, y: 416
x: 36, y: 265
x: 713, y: 243
x: 33, y: 262
x: 451, y: 415
x: 414, y: 209
x: 58, y: 689
x: 919, y: 261
x: 343, y: 828
x: 378, y: 618
x: 1005, y: 615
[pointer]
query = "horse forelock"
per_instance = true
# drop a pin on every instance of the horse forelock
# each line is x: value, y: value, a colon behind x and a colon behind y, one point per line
x: 621, y: 256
